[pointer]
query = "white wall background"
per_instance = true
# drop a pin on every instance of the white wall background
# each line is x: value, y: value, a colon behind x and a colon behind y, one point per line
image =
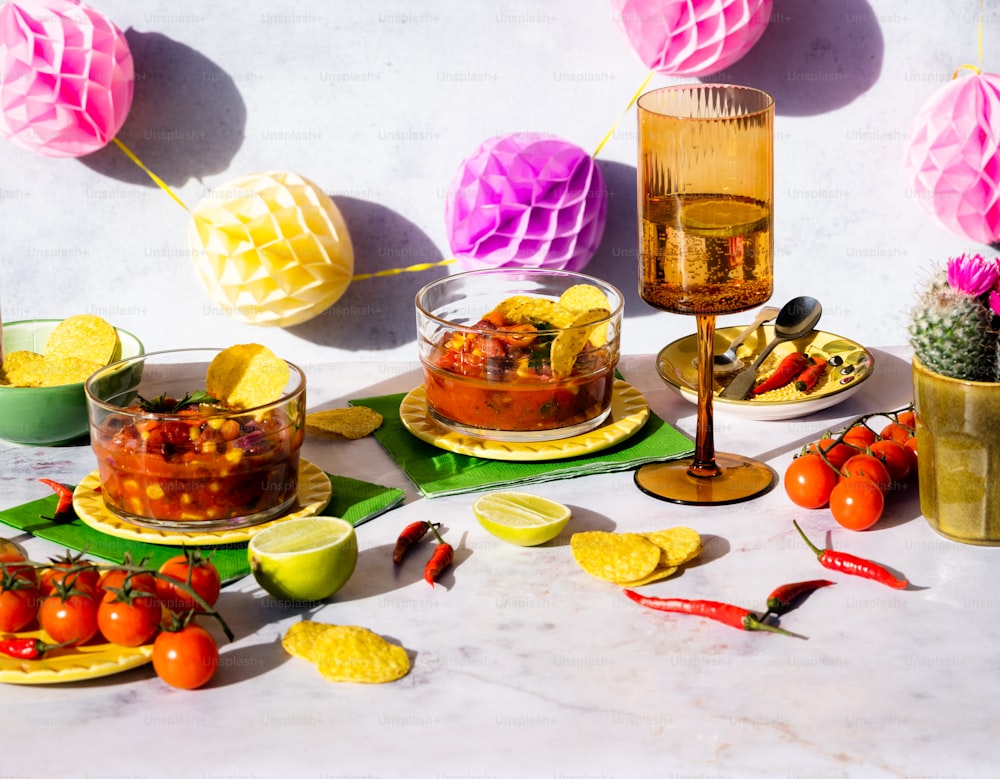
x: 378, y: 102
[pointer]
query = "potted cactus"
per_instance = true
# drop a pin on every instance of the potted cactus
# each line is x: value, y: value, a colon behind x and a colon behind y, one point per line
x: 954, y: 329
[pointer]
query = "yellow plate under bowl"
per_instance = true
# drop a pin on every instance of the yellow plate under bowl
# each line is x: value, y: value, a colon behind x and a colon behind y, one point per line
x: 72, y: 664
x: 677, y: 365
x: 629, y: 412
x: 314, y: 493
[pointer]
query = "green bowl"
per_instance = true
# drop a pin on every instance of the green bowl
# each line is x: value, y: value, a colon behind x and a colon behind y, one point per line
x: 46, y: 416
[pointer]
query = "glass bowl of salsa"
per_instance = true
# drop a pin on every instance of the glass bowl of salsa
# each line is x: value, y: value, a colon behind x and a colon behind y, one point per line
x: 519, y: 355
x: 172, y: 458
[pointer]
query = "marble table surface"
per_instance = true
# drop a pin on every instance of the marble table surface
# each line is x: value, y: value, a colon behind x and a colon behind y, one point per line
x: 525, y: 666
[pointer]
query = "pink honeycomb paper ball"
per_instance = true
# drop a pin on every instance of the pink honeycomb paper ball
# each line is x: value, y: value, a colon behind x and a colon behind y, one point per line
x: 692, y: 37
x: 526, y: 200
x: 66, y: 77
x: 952, y: 158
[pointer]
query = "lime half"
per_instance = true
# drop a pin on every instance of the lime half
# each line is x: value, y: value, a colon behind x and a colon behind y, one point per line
x: 306, y: 559
x: 521, y: 518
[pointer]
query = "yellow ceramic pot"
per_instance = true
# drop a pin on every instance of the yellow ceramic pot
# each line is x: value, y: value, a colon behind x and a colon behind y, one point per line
x: 958, y: 441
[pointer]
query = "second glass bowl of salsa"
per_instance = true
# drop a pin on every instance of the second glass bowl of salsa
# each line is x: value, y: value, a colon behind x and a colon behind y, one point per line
x: 494, y: 383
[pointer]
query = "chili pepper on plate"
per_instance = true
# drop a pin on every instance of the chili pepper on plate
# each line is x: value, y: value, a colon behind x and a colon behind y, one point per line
x: 411, y: 534
x: 783, y: 597
x: 444, y: 553
x: 27, y: 648
x: 854, y: 565
x: 806, y: 380
x: 791, y: 366
x: 726, y: 613
x: 65, y: 495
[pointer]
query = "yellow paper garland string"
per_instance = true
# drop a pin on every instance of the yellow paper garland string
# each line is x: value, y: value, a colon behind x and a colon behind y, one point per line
x: 628, y: 108
x: 979, y: 34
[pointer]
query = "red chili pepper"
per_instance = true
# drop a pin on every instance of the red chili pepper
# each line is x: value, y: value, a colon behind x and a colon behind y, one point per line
x: 853, y: 565
x: 726, y: 613
x: 27, y: 648
x: 806, y: 380
x: 411, y: 534
x: 65, y: 495
x: 441, y: 559
x: 782, y: 598
x: 790, y: 367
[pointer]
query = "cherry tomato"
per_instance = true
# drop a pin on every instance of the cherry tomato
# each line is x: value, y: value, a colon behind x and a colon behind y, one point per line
x: 19, y: 597
x: 856, y: 503
x: 131, y: 622
x: 860, y: 436
x: 204, y: 580
x: 71, y: 574
x: 114, y: 579
x: 71, y: 620
x: 896, y: 432
x: 911, y: 448
x: 894, y: 456
x: 185, y: 658
x: 907, y: 419
x: 837, y: 454
x: 870, y: 467
x: 809, y: 481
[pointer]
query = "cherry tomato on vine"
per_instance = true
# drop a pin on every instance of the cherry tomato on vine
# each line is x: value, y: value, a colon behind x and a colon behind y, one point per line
x: 896, y: 432
x: 71, y: 573
x: 185, y: 658
x: 907, y: 419
x: 204, y: 580
x: 131, y: 621
x: 113, y: 580
x: 894, y: 456
x: 809, y: 481
x: 857, y: 503
x: 860, y: 436
x: 870, y: 467
x: 911, y: 448
x: 70, y: 620
x: 836, y: 455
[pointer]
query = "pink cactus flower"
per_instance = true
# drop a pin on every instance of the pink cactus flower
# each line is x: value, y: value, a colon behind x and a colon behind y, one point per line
x: 973, y: 274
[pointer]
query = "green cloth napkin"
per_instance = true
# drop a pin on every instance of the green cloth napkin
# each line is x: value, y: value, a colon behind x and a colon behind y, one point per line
x: 436, y: 472
x: 353, y: 500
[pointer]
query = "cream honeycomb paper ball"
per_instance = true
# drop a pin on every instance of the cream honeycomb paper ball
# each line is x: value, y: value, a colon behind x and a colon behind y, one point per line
x: 271, y: 248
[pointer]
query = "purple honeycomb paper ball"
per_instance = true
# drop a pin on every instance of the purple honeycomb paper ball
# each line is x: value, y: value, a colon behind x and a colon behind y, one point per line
x: 526, y: 200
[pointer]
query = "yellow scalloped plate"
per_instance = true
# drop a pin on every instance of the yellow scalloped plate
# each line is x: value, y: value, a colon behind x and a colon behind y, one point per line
x: 72, y: 664
x: 677, y: 365
x: 629, y: 412
x: 314, y: 493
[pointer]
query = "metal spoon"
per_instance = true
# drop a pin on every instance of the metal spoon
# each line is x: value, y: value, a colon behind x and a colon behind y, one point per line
x: 727, y: 362
x: 797, y: 318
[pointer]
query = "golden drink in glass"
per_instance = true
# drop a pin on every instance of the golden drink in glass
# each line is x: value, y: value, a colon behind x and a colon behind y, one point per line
x: 705, y: 191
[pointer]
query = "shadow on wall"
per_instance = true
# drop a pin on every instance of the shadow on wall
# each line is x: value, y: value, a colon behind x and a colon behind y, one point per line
x: 813, y: 57
x: 376, y: 313
x: 187, y: 118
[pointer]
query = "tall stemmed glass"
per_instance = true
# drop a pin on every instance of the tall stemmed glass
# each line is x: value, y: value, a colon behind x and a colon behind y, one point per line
x: 706, y: 186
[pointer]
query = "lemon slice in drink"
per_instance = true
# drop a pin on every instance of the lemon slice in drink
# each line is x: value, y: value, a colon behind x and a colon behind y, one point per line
x: 520, y: 518
x: 723, y: 217
x: 304, y: 560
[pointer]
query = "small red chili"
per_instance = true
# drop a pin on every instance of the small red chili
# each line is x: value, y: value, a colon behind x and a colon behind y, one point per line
x: 726, y: 613
x: 27, y: 648
x: 441, y: 559
x: 854, y: 565
x: 411, y: 534
x: 782, y: 598
x: 806, y: 380
x: 790, y: 367
x: 65, y: 495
